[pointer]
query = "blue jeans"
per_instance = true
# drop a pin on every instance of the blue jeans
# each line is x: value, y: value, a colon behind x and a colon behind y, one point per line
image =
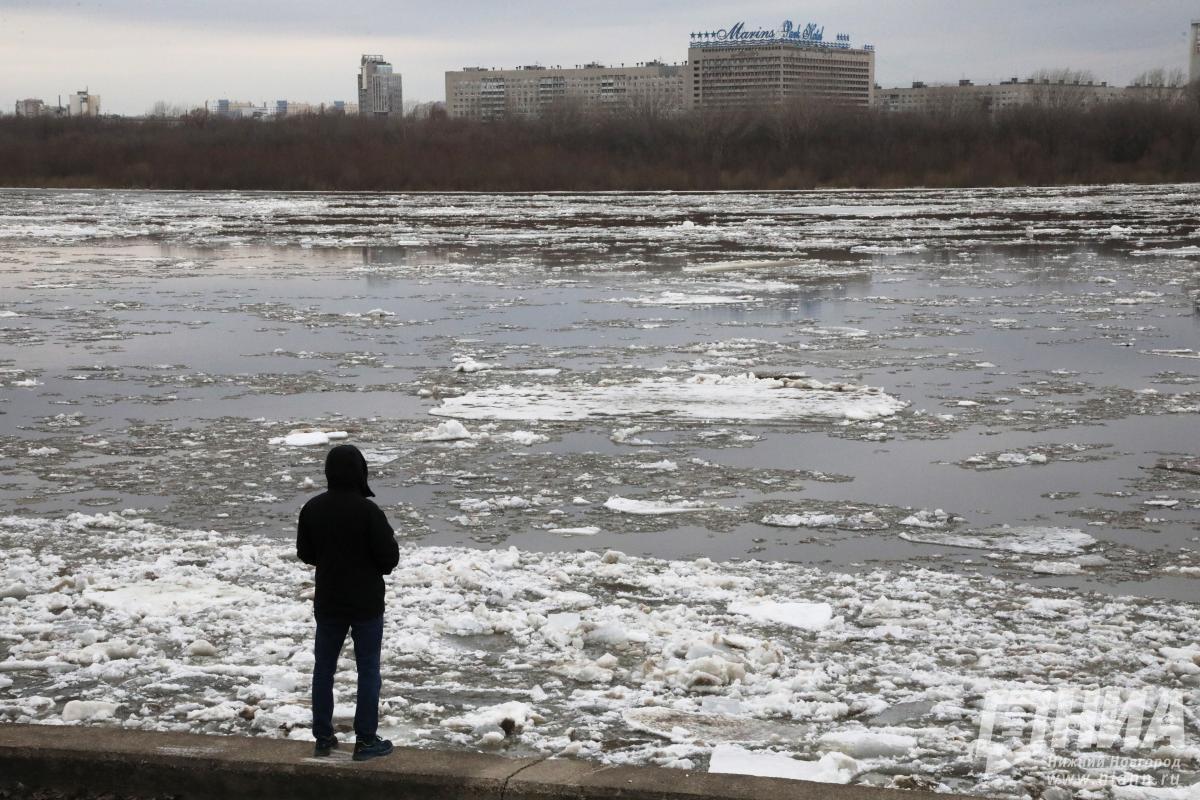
x: 368, y: 640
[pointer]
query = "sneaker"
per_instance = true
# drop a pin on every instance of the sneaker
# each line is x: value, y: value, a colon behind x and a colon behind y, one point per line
x: 324, y: 746
x: 366, y: 749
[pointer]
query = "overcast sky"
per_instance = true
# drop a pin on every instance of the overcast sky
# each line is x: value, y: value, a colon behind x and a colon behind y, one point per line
x: 134, y: 52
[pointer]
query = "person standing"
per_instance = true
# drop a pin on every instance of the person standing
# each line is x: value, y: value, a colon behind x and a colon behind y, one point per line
x: 348, y: 539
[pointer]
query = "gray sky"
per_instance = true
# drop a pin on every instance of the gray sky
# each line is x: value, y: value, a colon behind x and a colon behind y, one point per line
x: 134, y: 52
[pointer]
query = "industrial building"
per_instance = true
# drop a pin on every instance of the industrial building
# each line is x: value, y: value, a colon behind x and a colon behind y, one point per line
x: 380, y: 91
x: 31, y: 107
x: 739, y: 66
x: 479, y: 93
x: 83, y: 104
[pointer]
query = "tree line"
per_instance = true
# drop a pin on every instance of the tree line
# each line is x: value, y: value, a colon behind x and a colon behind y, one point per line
x: 800, y: 146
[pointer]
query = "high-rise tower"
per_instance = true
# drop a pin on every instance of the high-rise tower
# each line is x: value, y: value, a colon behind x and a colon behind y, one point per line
x: 1194, y: 52
x: 380, y: 93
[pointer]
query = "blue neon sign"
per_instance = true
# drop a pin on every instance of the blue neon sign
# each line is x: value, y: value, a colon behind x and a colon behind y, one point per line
x: 810, y: 34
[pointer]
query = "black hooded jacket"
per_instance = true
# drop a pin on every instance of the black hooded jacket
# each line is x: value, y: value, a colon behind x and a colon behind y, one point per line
x: 348, y: 539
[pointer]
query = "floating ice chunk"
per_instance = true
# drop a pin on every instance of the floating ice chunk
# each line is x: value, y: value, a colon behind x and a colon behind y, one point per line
x: 1183, y: 352
x: 468, y: 364
x: 864, y: 743
x: 926, y: 519
x: 666, y: 465
x: 1032, y: 539
x: 702, y: 396
x: 1055, y: 568
x: 884, y: 249
x: 473, y: 505
x: 308, y: 438
x: 830, y: 768
x: 1187, y: 250
x: 449, y: 431
x: 629, y: 505
x: 83, y: 710
x: 806, y: 520
x: 1161, y: 502
x: 14, y: 590
x: 627, y: 436
x: 669, y: 298
x: 527, y: 438
x: 806, y: 616
x: 28, y: 383
x: 43, y: 451
x: 586, y: 530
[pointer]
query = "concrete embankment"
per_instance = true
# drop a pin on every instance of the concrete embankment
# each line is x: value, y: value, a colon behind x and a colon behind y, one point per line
x: 196, y: 767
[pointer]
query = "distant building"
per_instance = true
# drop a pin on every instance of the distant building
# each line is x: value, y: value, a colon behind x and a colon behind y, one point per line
x: 31, y: 107
x: 241, y: 109
x: 84, y: 104
x: 740, y: 66
x: 1194, y: 52
x: 967, y: 96
x: 380, y: 92
x: 530, y: 91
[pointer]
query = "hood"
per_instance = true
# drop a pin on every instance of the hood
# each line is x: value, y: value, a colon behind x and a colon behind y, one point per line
x: 345, y: 468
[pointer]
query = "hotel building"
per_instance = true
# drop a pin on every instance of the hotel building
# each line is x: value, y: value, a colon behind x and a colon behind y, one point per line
x: 739, y: 66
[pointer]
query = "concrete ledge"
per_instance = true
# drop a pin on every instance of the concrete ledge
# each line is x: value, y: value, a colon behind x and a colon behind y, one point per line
x: 196, y: 767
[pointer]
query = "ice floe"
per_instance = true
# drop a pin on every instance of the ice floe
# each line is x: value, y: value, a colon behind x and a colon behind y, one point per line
x: 1030, y: 539
x: 701, y: 396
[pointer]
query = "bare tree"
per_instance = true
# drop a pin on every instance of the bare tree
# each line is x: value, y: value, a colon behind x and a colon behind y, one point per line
x: 163, y: 109
x: 1161, y: 78
x: 1063, y: 88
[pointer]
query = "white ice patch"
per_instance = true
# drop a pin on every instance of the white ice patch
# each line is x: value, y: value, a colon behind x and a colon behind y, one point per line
x: 703, y: 396
x: 794, y: 614
x: 585, y: 530
x: 805, y: 520
x: 830, y: 768
x: 165, y: 598
x: 449, y: 431
x: 629, y: 505
x: 526, y: 438
x: 308, y: 438
x: 668, y: 298
x: 1031, y: 539
x: 85, y: 710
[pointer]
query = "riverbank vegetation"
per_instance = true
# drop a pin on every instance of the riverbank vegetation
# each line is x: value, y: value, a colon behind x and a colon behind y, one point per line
x: 797, y: 147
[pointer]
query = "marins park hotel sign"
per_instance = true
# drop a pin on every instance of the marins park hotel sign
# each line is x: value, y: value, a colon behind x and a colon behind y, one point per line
x: 811, y: 34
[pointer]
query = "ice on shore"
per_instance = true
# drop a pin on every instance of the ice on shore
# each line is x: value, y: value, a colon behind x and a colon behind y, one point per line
x: 119, y: 611
x: 702, y: 396
x: 88, y: 710
x: 829, y: 768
